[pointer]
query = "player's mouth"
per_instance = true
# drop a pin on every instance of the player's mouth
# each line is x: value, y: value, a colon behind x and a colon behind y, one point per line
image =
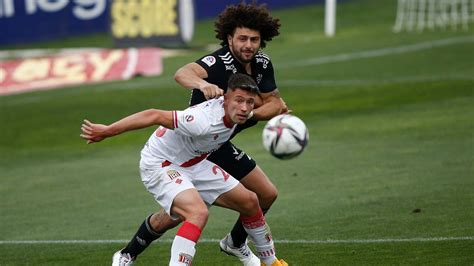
x: 247, y: 53
x: 241, y: 116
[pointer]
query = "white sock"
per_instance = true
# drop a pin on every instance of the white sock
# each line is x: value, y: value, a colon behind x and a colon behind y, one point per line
x: 183, y: 247
x: 261, y: 236
x: 182, y: 251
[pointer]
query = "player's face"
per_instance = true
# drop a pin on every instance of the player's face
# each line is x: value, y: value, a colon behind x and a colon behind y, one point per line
x: 244, y: 44
x: 238, y: 104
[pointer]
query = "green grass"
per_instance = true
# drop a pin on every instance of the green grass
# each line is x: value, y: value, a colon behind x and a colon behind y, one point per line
x: 388, y: 135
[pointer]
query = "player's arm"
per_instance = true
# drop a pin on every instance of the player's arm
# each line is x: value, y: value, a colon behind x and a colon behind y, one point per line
x: 272, y: 105
x: 192, y: 76
x: 97, y: 132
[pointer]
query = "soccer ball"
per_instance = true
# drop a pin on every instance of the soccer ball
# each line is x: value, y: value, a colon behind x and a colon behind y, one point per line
x: 285, y: 136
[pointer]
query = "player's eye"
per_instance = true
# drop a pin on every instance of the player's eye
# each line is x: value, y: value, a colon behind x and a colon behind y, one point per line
x: 255, y: 39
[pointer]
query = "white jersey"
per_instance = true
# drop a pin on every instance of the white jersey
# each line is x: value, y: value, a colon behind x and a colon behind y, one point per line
x: 198, y: 131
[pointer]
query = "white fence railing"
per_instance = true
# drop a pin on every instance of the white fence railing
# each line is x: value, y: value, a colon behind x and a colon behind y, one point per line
x: 419, y: 15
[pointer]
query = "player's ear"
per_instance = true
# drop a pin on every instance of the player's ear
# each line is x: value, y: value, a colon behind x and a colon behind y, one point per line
x: 229, y: 39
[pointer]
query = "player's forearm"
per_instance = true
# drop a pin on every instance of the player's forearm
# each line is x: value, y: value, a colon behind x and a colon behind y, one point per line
x: 267, y: 110
x: 139, y: 120
x: 188, y: 78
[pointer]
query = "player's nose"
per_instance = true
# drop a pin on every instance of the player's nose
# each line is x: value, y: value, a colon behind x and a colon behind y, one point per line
x: 243, y: 107
x: 248, y: 43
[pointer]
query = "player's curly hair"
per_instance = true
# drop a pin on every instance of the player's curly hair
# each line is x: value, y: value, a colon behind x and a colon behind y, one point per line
x: 252, y: 16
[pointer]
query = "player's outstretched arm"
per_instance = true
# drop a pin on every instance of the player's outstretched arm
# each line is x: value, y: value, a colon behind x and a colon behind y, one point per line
x: 97, y: 132
x: 192, y: 76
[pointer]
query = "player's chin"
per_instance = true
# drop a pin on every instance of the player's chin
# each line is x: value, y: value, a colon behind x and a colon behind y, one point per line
x: 248, y: 55
x: 241, y: 119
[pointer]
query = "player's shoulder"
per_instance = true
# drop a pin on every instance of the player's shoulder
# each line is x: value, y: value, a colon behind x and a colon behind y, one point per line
x: 194, y: 120
x: 213, y: 109
x: 222, y: 55
x: 211, y: 106
x: 261, y: 54
x: 208, y: 108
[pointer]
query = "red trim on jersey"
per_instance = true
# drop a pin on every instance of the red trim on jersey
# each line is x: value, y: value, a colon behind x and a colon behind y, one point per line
x: 175, y: 119
x: 227, y: 122
x: 189, y: 231
x: 257, y: 220
x: 189, y: 163
x: 194, y: 160
x: 165, y: 163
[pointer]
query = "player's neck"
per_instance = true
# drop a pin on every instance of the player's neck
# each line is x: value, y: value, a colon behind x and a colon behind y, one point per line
x: 227, y: 121
x: 247, y: 66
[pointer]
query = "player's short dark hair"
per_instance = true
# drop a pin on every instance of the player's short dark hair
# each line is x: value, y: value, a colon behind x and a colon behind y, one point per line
x: 242, y: 81
x: 252, y: 16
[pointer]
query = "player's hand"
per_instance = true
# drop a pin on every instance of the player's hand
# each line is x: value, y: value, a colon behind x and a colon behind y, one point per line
x: 93, y: 132
x: 285, y: 109
x: 211, y: 91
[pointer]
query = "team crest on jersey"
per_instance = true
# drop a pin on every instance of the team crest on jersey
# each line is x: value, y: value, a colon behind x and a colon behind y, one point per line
x: 216, y: 136
x: 209, y: 60
x: 173, y: 174
x: 189, y: 118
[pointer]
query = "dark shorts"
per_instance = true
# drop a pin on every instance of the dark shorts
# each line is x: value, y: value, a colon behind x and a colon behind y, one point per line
x: 233, y: 160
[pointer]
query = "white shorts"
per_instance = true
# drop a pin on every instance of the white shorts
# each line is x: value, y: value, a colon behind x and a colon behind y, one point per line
x: 164, y: 183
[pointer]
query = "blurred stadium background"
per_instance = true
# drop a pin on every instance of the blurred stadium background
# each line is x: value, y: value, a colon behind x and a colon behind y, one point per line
x: 387, y: 178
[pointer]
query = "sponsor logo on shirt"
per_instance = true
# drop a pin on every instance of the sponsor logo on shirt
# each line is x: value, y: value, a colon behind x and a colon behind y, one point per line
x: 189, y: 118
x: 263, y: 61
x: 209, y: 60
x: 231, y: 67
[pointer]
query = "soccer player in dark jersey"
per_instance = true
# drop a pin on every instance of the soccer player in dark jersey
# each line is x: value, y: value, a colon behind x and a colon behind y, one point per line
x: 243, y: 30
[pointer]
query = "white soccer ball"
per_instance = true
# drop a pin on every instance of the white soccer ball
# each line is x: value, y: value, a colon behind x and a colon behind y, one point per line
x: 285, y: 136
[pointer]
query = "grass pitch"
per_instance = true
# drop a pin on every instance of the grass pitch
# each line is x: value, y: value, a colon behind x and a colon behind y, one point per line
x: 387, y: 177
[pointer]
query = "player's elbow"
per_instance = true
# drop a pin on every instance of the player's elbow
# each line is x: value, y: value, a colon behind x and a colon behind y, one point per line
x: 153, y: 115
x: 184, y: 73
x: 179, y: 75
x: 159, y: 117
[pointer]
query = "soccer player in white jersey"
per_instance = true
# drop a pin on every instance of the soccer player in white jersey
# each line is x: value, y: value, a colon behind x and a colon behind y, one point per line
x: 174, y: 170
